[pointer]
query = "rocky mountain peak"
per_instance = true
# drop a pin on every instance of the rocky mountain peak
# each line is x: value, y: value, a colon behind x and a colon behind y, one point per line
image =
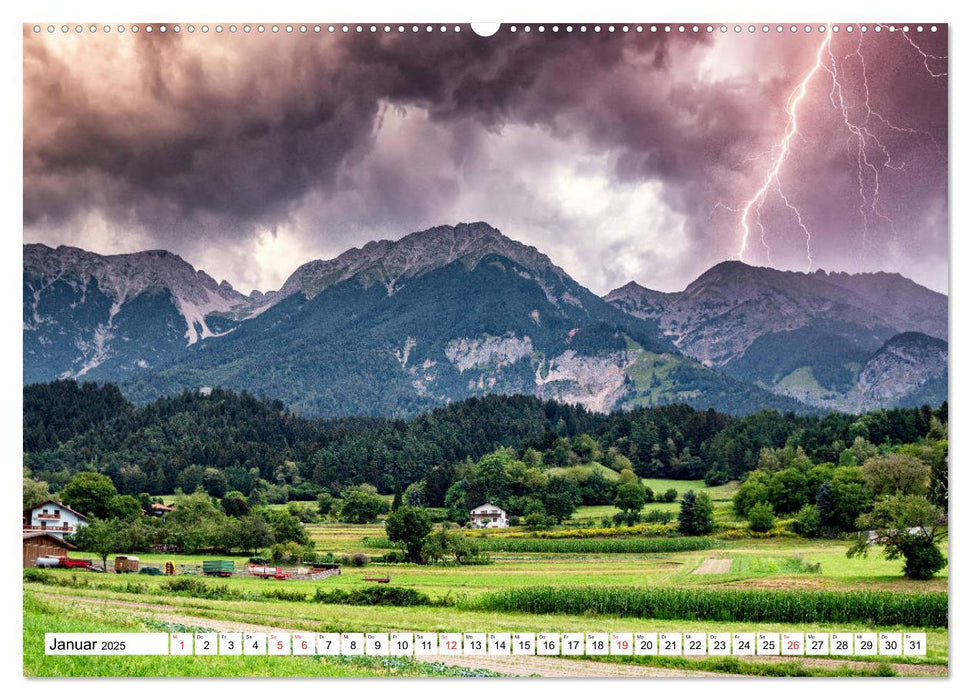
x: 123, y: 277
x: 389, y: 263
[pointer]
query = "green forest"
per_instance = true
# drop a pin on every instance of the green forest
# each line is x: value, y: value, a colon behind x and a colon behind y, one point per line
x: 224, y: 441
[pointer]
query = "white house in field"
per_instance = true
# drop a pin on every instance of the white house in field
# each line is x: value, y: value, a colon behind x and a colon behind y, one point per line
x: 51, y: 516
x: 488, y: 515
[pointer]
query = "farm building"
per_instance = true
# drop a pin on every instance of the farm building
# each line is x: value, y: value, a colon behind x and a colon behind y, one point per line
x: 51, y: 516
x: 43, y: 544
x: 160, y: 510
x: 488, y: 515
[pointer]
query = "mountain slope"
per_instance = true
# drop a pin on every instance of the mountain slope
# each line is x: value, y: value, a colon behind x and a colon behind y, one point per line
x: 802, y: 335
x: 103, y: 315
x: 399, y: 337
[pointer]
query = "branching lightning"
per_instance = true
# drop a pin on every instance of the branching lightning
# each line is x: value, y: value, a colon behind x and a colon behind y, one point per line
x: 783, y: 149
x: 867, y: 151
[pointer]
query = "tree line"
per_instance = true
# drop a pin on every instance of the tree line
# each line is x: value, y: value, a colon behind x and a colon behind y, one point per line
x: 226, y: 441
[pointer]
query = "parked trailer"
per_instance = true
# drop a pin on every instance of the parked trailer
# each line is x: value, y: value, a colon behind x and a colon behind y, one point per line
x: 265, y: 572
x: 218, y: 567
x: 126, y: 565
x: 47, y: 562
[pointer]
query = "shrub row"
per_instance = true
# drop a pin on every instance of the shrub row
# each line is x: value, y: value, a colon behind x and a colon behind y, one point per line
x: 601, y: 546
x: 372, y: 595
x: 729, y: 605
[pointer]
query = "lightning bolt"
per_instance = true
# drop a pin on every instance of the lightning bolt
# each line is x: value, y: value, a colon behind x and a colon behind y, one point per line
x: 782, y: 150
x: 865, y: 147
x: 926, y: 56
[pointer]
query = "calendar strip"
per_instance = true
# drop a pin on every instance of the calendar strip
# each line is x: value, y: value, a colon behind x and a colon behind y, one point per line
x: 491, y: 644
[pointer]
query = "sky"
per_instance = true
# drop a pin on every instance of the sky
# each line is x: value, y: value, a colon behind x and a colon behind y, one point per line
x: 623, y: 156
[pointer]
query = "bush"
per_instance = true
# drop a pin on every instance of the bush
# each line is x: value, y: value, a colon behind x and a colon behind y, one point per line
x: 372, y: 595
x: 922, y: 560
x: 284, y: 594
x: 357, y: 559
x: 670, y: 496
x: 197, y: 588
x: 658, y: 516
x: 761, y: 517
x: 37, y: 576
x: 538, y: 521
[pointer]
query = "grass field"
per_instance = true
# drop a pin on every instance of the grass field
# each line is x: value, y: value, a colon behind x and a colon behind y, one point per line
x: 88, y: 601
x: 721, y: 497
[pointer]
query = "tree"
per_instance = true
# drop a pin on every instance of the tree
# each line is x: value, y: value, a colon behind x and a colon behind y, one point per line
x: 851, y: 497
x: 697, y: 514
x: 596, y: 490
x: 413, y: 494
x: 824, y: 504
x: 35, y: 492
x: 126, y: 508
x: 703, y: 515
x: 234, y: 504
x: 670, y: 496
x: 586, y: 448
x: 190, y: 480
x: 761, y: 517
x: 630, y: 499
x: 442, y: 543
x: 939, y: 489
x: 214, y: 482
x: 287, y: 527
x: 408, y: 526
x: 196, y: 522
x: 686, y: 514
x: 754, y: 489
x: 896, y: 475
x: 787, y: 490
x: 324, y: 503
x: 398, y: 497
x: 907, y: 527
x: 103, y: 537
x: 89, y: 493
x: 561, y: 498
x: 255, y: 533
x: 808, y: 521
x: 457, y: 503
x: 361, y: 504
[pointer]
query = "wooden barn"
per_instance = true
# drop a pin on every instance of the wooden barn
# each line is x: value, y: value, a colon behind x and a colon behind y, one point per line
x: 43, y: 544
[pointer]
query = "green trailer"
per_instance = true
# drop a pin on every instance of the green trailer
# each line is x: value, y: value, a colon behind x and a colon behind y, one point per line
x: 218, y: 567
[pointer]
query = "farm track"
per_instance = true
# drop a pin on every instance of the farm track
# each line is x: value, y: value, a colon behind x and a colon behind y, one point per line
x: 552, y: 667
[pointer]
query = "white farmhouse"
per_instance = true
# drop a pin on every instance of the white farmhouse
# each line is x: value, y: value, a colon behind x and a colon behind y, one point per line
x: 488, y: 515
x: 51, y: 516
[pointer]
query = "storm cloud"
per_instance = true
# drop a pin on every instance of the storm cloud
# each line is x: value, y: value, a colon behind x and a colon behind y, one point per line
x: 623, y: 156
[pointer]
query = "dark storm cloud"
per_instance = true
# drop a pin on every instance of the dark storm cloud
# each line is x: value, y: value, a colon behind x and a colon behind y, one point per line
x: 201, y: 142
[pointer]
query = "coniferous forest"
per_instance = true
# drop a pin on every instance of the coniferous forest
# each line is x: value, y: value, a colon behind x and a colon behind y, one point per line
x: 224, y: 441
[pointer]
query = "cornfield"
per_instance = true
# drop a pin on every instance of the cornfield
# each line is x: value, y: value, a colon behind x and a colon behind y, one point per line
x: 601, y: 546
x: 916, y: 610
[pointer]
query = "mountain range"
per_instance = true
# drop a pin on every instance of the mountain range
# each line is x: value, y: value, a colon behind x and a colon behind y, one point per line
x: 398, y: 327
